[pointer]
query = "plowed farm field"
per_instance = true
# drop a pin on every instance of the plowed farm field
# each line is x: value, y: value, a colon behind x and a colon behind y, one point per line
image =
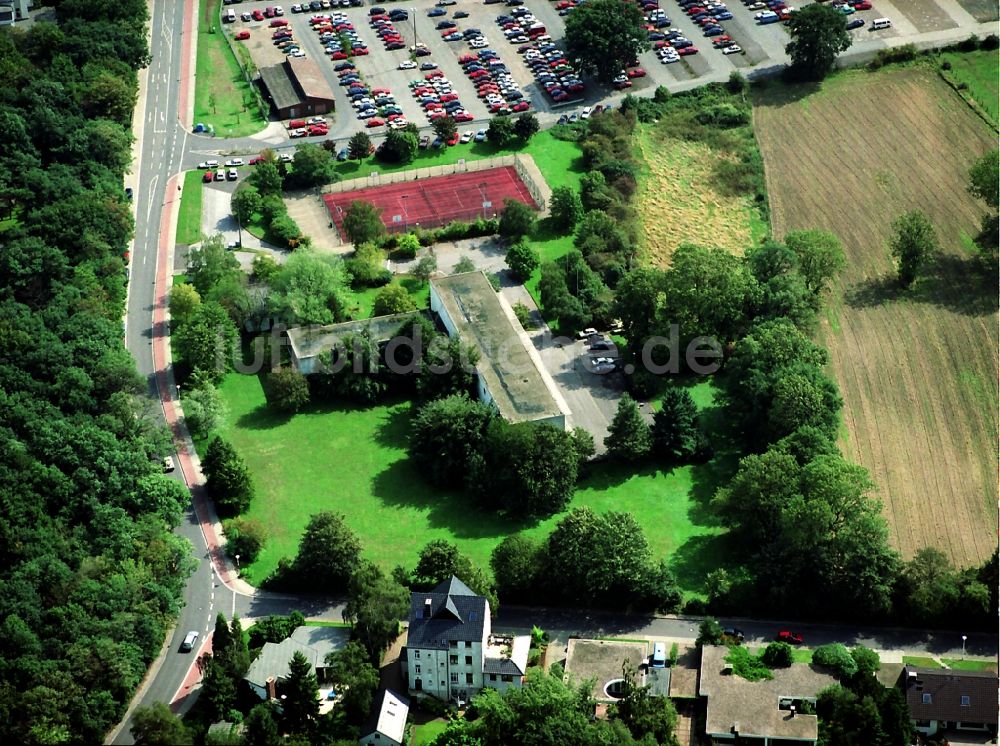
x: 917, y: 369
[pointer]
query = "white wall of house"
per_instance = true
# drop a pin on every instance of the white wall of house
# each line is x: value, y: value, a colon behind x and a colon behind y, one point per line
x: 378, y: 739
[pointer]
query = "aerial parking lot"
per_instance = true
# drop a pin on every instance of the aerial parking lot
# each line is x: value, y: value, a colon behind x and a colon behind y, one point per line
x: 390, y: 63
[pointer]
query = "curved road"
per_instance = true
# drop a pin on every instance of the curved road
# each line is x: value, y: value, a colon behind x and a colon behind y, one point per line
x: 165, y: 151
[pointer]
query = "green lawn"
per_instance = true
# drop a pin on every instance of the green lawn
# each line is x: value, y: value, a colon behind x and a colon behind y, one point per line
x: 219, y: 77
x: 361, y: 302
x: 980, y: 72
x: 189, y: 219
x: 421, y: 735
x: 921, y: 661
x: 970, y: 665
x: 353, y: 460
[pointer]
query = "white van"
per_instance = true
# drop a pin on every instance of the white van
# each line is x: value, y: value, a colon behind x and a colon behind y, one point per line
x: 881, y: 23
x: 659, y: 657
x: 229, y: 16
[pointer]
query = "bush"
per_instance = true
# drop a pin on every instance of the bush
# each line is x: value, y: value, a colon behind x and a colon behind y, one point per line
x: 990, y: 43
x: 777, y: 655
x: 286, y: 390
x: 723, y: 115
x: 709, y: 632
x: 245, y: 537
x: 366, y: 267
x: 837, y: 657
x: 946, y: 65
x: 406, y: 246
x: 748, y: 666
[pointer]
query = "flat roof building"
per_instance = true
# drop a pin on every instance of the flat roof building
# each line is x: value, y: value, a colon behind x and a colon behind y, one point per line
x: 312, y: 346
x: 510, y: 372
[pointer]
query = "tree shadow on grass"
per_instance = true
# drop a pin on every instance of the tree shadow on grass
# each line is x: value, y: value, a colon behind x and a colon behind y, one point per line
x: 263, y: 418
x: 949, y: 281
x: 402, y: 485
x: 697, y: 557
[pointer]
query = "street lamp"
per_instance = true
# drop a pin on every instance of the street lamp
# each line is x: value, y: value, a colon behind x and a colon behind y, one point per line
x: 413, y: 14
x: 406, y: 215
x: 237, y: 563
x: 964, y: 638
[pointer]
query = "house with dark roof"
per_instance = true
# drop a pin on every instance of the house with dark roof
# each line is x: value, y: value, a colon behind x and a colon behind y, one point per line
x: 451, y: 653
x: 297, y: 87
x: 941, y: 699
x: 271, y: 666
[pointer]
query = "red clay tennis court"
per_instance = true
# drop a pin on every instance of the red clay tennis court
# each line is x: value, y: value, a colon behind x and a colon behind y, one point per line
x: 436, y: 200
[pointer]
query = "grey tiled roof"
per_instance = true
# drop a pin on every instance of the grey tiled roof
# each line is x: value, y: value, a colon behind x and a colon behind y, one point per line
x: 456, y: 613
x: 503, y: 666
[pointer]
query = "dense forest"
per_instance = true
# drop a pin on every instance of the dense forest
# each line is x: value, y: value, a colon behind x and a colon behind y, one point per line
x: 90, y: 573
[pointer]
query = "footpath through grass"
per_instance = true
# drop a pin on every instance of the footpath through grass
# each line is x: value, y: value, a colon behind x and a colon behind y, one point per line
x: 222, y: 97
x: 189, y: 218
x: 980, y: 72
x: 353, y: 460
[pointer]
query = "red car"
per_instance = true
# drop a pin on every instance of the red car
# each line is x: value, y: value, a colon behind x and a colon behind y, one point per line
x: 687, y: 50
x: 433, y: 75
x: 863, y: 5
x: 623, y: 84
x: 467, y: 58
x: 722, y: 41
x: 242, y: 36
x: 338, y: 56
x: 374, y: 122
x: 793, y: 638
x: 318, y: 130
x: 208, y: 177
x: 636, y: 72
x: 296, y: 124
x: 258, y: 15
x: 279, y: 23
x: 454, y: 139
x: 521, y: 106
x: 255, y: 160
x: 463, y: 116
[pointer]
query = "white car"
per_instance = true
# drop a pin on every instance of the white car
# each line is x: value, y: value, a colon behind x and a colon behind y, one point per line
x: 300, y: 132
x: 407, y: 65
x: 668, y: 59
x: 585, y: 114
x: 478, y: 44
x: 297, y: 53
x: 466, y: 136
x: 757, y: 6
x: 205, y: 165
x: 587, y: 333
x: 286, y: 157
x: 311, y: 120
x: 480, y: 136
x: 732, y: 49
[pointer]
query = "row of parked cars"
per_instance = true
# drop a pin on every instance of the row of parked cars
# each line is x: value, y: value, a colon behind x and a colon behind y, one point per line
x: 437, y: 97
x: 338, y: 36
x: 326, y: 5
x: 547, y: 62
x: 284, y: 38
x: 383, y: 23
x: 494, y: 83
x: 374, y: 106
x: 313, y: 127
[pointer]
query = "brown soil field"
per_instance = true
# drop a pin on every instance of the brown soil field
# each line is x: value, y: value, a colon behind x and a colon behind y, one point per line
x: 917, y: 369
x: 677, y: 202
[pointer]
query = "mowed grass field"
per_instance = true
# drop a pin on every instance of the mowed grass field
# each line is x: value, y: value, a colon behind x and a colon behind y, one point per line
x: 353, y: 461
x: 220, y: 76
x: 189, y: 217
x: 979, y: 71
x: 917, y: 369
x: 678, y: 203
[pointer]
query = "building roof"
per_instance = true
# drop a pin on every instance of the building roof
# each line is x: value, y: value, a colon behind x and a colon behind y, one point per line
x: 273, y: 661
x: 390, y: 718
x: 313, y: 341
x: 456, y: 613
x: 280, y: 87
x: 752, y: 708
x: 658, y: 681
x: 508, y: 657
x: 310, y: 79
x: 521, y: 388
x: 936, y: 694
x: 324, y: 640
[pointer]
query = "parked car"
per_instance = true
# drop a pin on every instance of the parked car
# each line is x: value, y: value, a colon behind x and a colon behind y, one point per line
x: 792, y: 638
x: 734, y: 633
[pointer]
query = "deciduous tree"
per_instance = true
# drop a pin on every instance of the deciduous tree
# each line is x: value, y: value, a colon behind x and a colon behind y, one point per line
x: 287, y: 390
x: 521, y: 259
x: 227, y: 477
x: 603, y: 36
x: 525, y: 126
x: 912, y: 244
x: 356, y: 680
x: 362, y: 223
x: 445, y: 128
x: 516, y: 219
x: 818, y: 34
x: 375, y: 606
x: 328, y: 553
x: 156, y: 725
x: 314, y: 166
x: 446, y: 435
x: 565, y: 207
x: 309, y: 289
x: 500, y: 132
x: 393, y: 298
x: 359, y: 146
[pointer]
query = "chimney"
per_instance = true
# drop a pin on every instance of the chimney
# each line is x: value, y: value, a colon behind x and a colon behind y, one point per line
x: 427, y: 608
x: 272, y: 692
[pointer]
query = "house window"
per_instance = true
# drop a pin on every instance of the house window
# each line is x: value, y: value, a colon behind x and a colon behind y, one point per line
x: 416, y: 655
x: 418, y: 669
x: 506, y: 677
x: 453, y: 659
x: 493, y: 677
x: 966, y: 702
x: 926, y: 699
x: 468, y: 660
x: 468, y: 678
x: 454, y: 678
x: 453, y: 643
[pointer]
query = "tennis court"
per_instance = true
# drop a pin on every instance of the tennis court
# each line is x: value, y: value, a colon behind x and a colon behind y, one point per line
x: 437, y: 200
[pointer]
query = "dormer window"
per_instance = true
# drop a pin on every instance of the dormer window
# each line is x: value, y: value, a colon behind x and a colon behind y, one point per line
x: 926, y: 699
x: 966, y: 701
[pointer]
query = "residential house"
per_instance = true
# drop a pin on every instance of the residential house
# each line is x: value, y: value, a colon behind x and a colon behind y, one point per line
x: 942, y: 699
x: 764, y: 713
x: 297, y: 88
x: 450, y: 651
x: 271, y: 666
x: 388, y: 724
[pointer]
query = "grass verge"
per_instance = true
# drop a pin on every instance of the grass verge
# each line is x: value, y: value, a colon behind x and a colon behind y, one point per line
x: 421, y: 735
x: 979, y: 72
x: 357, y: 465
x: 964, y: 664
x: 189, y: 218
x: 222, y: 97
x: 920, y: 660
